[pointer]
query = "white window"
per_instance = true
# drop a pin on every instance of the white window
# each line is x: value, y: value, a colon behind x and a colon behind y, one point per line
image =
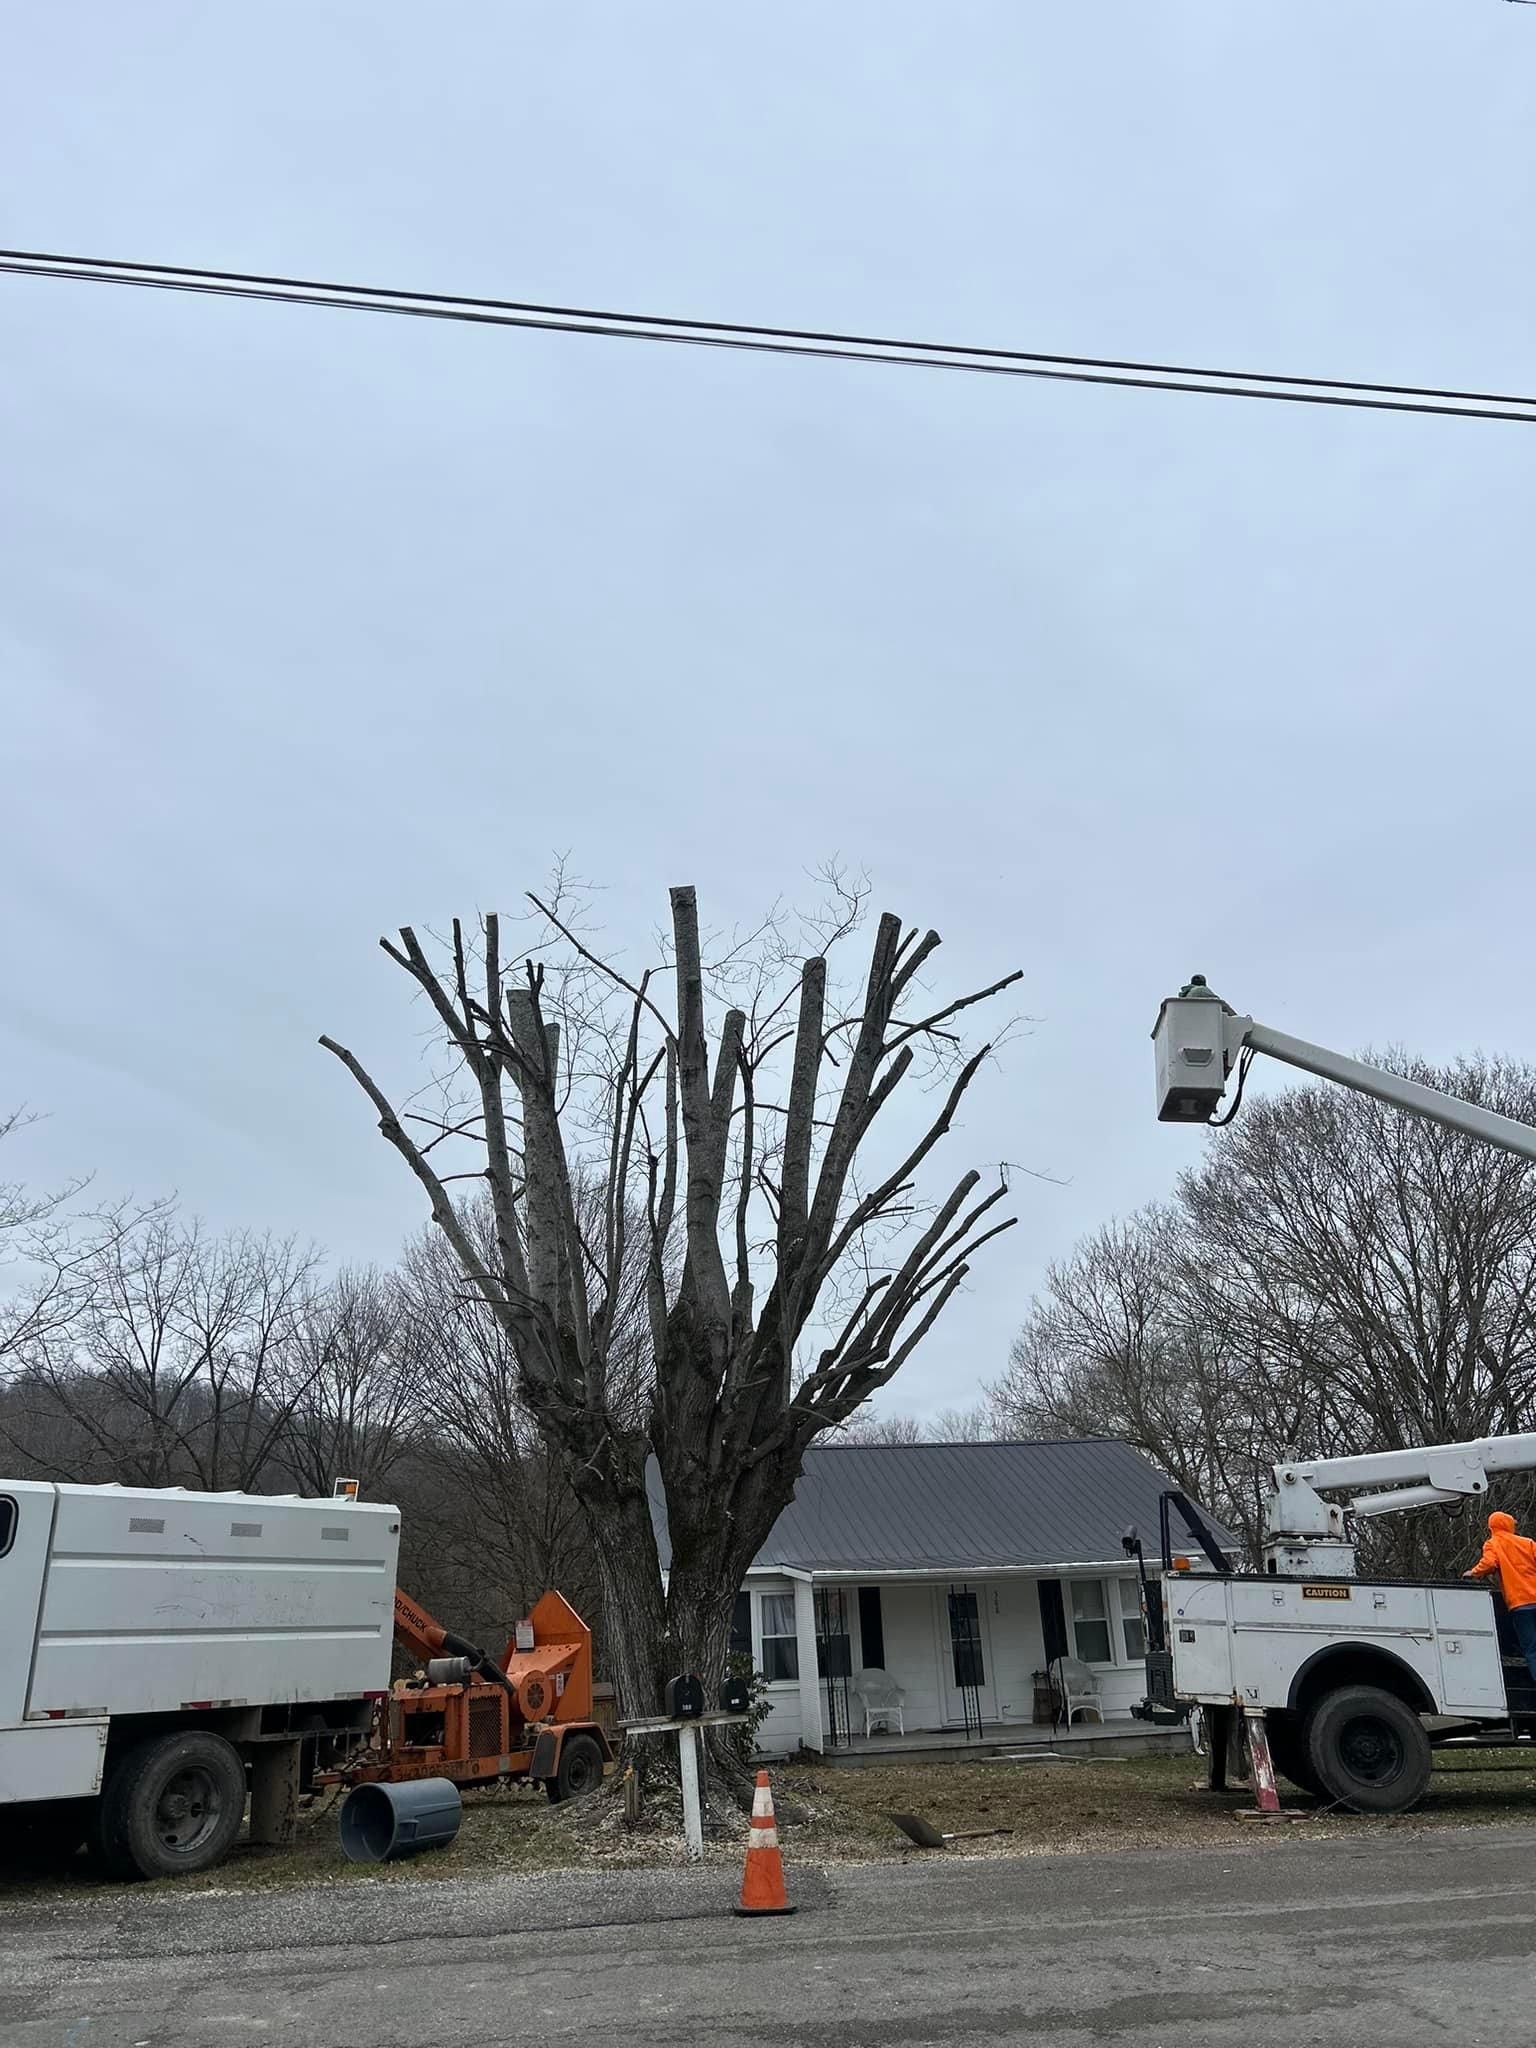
x: 1132, y: 1626
x: 781, y: 1651
x: 1090, y: 1621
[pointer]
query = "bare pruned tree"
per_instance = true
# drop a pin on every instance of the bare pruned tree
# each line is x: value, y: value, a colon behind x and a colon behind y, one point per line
x: 734, y: 1129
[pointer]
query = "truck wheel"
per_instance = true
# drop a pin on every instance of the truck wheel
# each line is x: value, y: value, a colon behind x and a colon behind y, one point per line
x: 1288, y: 1747
x: 1368, y: 1750
x: 580, y: 1770
x: 171, y: 1806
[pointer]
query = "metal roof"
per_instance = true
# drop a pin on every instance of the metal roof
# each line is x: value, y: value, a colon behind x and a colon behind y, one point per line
x: 960, y: 1507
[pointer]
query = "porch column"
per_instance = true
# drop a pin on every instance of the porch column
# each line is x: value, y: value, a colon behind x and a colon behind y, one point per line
x: 810, y: 1684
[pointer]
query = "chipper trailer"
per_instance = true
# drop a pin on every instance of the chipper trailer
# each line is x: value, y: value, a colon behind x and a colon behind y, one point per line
x: 1346, y: 1684
x: 466, y: 1717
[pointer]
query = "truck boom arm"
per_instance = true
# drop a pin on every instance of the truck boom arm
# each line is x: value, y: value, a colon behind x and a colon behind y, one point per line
x: 1200, y: 1040
x: 1411, y: 1479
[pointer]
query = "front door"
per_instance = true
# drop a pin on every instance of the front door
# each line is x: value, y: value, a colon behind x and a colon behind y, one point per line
x: 965, y: 1658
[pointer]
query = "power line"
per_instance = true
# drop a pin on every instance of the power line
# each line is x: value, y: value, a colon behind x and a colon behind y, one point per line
x: 826, y: 345
x: 16, y: 257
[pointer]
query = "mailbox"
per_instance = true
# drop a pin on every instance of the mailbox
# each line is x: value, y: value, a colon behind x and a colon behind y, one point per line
x: 685, y: 1697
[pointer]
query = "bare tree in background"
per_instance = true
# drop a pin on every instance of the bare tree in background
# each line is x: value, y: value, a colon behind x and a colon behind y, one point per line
x: 167, y: 1356
x: 973, y: 1425
x: 33, y: 1238
x: 359, y: 1377
x: 1337, y: 1276
x: 1125, y: 1341
x: 749, y: 1164
x: 1385, y: 1267
x: 21, y: 1207
x: 517, y: 1512
x: 870, y: 1428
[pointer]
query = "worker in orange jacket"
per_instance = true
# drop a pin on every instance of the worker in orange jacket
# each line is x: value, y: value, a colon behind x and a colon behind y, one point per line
x: 1513, y: 1557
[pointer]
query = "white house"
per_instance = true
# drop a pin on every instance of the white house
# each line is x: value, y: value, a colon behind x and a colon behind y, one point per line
x: 960, y: 1570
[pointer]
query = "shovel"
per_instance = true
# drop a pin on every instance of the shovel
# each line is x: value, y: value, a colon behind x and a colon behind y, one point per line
x: 926, y: 1836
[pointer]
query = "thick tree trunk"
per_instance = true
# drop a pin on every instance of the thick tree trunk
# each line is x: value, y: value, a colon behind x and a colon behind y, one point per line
x: 700, y: 1596
x: 634, y: 1606
x: 651, y: 1637
x: 706, y: 1576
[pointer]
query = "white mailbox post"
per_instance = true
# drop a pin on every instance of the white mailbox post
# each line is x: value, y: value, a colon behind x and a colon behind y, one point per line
x: 689, y: 1758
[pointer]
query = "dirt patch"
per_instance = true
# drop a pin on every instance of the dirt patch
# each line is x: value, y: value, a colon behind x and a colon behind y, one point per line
x: 1047, y: 1808
x: 1140, y: 1803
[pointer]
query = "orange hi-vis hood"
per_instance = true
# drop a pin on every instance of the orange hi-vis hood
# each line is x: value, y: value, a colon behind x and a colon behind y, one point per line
x: 1513, y: 1557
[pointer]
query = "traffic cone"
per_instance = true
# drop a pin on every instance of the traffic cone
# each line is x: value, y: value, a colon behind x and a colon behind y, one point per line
x: 762, y: 1882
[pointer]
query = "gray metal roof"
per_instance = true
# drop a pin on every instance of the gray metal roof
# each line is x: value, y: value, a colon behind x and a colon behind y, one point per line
x: 961, y: 1507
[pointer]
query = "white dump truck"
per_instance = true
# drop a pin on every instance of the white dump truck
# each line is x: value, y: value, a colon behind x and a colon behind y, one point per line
x: 1346, y: 1684
x: 165, y: 1654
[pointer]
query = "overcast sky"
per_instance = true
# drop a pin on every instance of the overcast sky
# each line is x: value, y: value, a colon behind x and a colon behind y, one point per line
x: 313, y: 624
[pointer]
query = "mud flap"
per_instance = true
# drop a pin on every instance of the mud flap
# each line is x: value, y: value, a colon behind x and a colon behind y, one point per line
x: 1262, y: 1772
x: 546, y: 1754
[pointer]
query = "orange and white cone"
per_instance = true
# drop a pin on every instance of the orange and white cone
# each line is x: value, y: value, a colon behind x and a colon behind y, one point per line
x: 762, y: 1882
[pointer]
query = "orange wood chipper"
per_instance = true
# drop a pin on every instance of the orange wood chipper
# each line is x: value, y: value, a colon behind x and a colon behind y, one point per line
x: 468, y: 1718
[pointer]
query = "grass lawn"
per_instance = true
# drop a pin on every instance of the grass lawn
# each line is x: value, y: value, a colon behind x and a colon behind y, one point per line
x: 1066, y: 1808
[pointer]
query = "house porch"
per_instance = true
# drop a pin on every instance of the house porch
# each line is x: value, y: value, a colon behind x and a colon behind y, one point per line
x: 969, y: 1652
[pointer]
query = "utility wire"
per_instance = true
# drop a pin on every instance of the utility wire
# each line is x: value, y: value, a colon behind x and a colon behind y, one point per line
x: 371, y: 291
x: 827, y: 345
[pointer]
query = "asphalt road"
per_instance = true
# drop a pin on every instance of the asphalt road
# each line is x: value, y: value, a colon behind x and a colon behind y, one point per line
x: 1415, y: 1940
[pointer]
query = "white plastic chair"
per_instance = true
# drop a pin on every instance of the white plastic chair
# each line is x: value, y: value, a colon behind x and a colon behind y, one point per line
x: 1076, y: 1688
x: 881, y: 1698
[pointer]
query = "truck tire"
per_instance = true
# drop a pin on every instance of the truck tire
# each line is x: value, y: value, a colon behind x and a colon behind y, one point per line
x: 171, y: 1806
x: 580, y: 1770
x: 1288, y: 1748
x: 1368, y: 1750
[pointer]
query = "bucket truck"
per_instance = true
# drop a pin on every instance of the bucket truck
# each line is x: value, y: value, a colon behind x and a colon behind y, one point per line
x: 1345, y: 1684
